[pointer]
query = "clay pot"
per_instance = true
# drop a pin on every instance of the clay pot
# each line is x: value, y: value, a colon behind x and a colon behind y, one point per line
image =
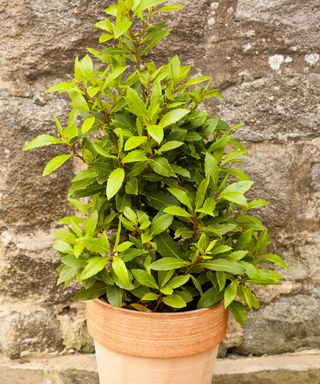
x: 155, y: 348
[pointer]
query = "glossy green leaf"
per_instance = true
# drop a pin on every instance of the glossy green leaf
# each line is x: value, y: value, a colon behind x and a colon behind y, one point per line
x: 134, y: 156
x: 162, y: 167
x: 230, y: 293
x: 41, y: 141
x: 173, y: 117
x: 55, y: 163
x: 174, y: 301
x: 134, y: 142
x: 168, y: 263
x: 120, y: 269
x: 94, y: 266
x: 177, y: 211
x: 161, y: 224
x: 115, y: 182
x: 156, y: 132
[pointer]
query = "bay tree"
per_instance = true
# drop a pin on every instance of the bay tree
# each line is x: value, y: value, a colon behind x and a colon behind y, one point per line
x: 163, y: 222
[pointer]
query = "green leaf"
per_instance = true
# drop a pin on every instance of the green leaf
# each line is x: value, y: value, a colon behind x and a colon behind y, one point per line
x: 121, y: 27
x: 115, y: 295
x: 178, y: 281
x: 97, y: 290
x: 115, y: 182
x: 94, y: 266
x: 233, y: 197
x: 156, y: 132
x: 61, y: 87
x: 240, y: 186
x: 182, y: 196
x: 123, y: 246
x: 221, y: 278
x: 134, y: 156
x: 210, y: 298
x: 253, y: 204
x: 91, y: 223
x: 177, y: 211
x: 250, y: 222
x: 224, y: 266
x: 150, y: 297
x: 168, y: 263
x: 116, y: 72
x: 167, y: 247
x: 174, y: 301
x: 132, y: 186
x: 161, y: 224
x: 201, y: 193
x: 120, y: 269
x: 66, y: 274
x: 211, y: 167
x: 136, y: 105
x: 173, y: 117
x: 170, y: 145
x: 181, y: 171
x: 230, y: 294
x: 239, y: 312
x: 144, y: 278
x: 87, y: 124
x: 146, y: 4
x: 134, y: 142
x: 276, y: 259
x: 238, y: 173
x: 55, y: 163
x: 41, y: 141
x: 171, y: 8
x: 162, y: 167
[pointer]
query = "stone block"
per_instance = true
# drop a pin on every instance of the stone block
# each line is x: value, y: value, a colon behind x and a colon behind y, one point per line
x: 287, y: 324
x: 27, y: 198
x: 29, y: 329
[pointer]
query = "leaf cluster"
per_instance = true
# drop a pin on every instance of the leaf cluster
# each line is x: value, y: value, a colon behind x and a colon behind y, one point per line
x: 163, y: 220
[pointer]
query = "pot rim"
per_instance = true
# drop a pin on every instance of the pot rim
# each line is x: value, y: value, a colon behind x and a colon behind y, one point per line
x: 157, y: 314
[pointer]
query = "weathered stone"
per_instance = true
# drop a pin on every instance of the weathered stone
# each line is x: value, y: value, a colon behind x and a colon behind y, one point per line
x: 73, y: 327
x: 287, y: 324
x: 270, y: 167
x: 28, y: 267
x: 315, y: 177
x: 27, y: 198
x: 28, y: 330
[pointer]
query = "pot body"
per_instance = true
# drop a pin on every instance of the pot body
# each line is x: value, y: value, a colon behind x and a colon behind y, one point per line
x: 155, y: 348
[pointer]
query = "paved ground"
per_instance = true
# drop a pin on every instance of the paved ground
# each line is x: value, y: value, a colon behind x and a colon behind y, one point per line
x: 303, y: 368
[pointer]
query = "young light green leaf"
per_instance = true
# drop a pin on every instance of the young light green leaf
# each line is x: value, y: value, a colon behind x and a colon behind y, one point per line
x: 134, y: 156
x: 168, y: 263
x: 150, y: 296
x: 224, y: 266
x: 94, y: 266
x: 134, y: 142
x: 55, y: 163
x: 276, y: 259
x: 87, y: 124
x: 115, y: 182
x: 174, y: 301
x: 135, y: 104
x: 177, y: 211
x: 182, y: 196
x: 253, y: 204
x: 178, y: 281
x: 41, y: 141
x: 171, y: 8
x: 169, y: 146
x: 156, y: 132
x: 173, y: 117
x: 120, y: 269
x: 230, y: 293
x: 201, y: 193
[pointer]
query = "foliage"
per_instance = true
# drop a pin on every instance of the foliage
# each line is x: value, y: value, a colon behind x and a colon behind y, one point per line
x: 165, y: 224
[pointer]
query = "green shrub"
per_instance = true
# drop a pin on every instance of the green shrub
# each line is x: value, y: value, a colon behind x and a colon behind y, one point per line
x: 165, y: 224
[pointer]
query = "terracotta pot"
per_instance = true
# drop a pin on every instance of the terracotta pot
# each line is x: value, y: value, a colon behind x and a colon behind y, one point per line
x: 155, y: 348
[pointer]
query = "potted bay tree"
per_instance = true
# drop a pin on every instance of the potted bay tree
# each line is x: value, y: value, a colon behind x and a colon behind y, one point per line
x: 164, y: 243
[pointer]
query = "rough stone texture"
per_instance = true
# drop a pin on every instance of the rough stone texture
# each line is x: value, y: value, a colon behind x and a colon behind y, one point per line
x: 83, y: 377
x: 265, y: 57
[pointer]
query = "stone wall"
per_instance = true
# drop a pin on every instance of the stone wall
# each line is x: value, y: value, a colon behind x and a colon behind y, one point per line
x: 264, y: 56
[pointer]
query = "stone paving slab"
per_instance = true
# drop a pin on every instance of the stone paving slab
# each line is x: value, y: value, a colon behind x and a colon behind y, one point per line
x: 298, y: 368
x: 24, y: 376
